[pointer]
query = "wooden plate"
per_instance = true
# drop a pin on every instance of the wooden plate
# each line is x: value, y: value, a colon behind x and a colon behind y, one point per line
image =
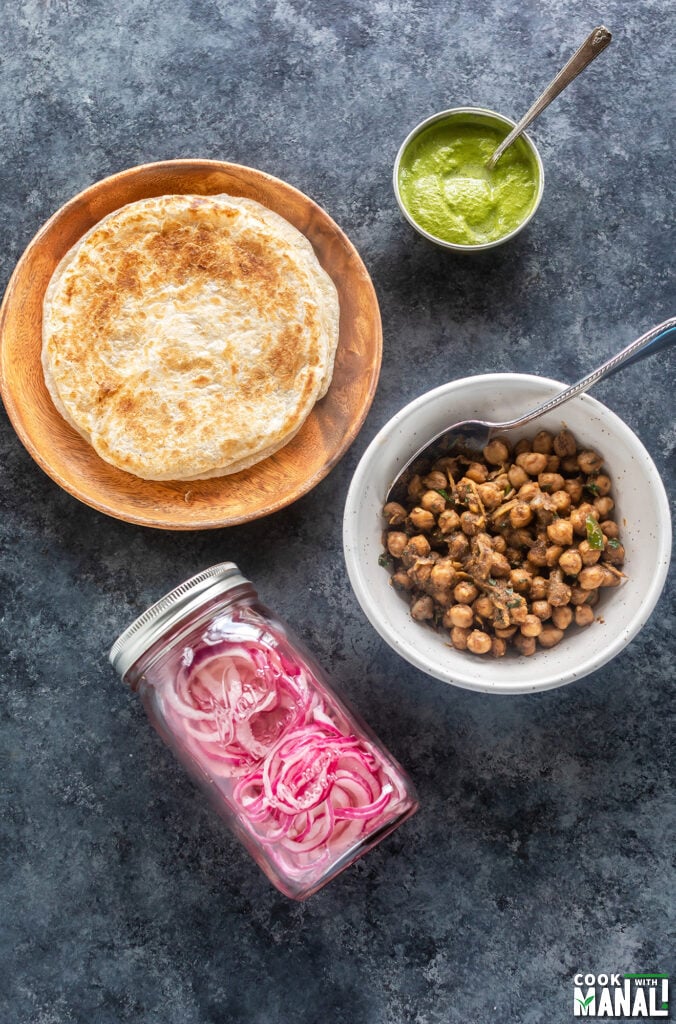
x: 198, y: 504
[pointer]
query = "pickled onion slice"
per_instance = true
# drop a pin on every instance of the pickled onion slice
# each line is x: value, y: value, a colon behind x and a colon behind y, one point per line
x: 233, y: 701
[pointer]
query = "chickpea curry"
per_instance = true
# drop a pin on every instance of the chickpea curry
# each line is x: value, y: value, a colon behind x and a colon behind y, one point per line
x: 506, y: 550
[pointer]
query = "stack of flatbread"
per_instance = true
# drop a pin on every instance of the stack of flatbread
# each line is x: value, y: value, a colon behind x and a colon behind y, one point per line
x: 189, y: 336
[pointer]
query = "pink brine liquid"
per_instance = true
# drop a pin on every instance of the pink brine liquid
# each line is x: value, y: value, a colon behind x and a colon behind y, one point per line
x: 308, y: 790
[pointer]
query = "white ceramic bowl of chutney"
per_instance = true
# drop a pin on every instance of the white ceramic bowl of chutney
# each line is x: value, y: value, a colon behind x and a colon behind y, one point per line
x: 641, y: 511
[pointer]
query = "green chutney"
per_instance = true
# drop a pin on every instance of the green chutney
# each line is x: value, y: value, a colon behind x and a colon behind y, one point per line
x: 450, y: 193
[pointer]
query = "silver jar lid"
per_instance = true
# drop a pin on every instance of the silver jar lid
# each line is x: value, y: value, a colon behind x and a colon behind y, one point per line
x: 170, y: 609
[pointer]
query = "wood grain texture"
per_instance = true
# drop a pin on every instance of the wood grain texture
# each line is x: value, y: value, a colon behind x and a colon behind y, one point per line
x: 198, y: 504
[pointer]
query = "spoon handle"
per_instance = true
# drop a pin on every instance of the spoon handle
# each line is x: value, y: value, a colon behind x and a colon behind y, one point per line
x: 643, y: 346
x: 593, y: 45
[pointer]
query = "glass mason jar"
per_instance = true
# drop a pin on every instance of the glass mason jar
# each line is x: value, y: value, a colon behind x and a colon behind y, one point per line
x: 295, y: 773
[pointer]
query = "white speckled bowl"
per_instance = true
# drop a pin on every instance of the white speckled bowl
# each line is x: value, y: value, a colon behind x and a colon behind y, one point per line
x: 641, y: 509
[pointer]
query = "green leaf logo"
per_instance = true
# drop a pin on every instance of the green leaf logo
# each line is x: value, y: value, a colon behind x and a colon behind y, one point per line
x: 584, y: 1002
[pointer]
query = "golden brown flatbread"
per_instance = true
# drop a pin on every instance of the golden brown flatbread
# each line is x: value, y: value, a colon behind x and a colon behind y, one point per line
x: 189, y: 336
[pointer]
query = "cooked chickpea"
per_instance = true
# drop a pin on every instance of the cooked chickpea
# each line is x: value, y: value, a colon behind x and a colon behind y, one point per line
x: 610, y: 579
x: 449, y: 520
x: 542, y: 609
x: 467, y: 494
x: 458, y: 546
x: 402, y: 581
x: 564, y: 444
x: 483, y: 606
x: 538, y: 588
x: 421, y: 571
x: 395, y: 513
x: 584, y: 615
x: 396, y: 542
x: 561, y: 502
x: 569, y: 465
x: 522, y: 446
x: 500, y: 567
x: 459, y: 638
x: 552, y: 555
x: 604, y: 506
x: 570, y: 562
x: 478, y: 642
x: 578, y: 517
x: 574, y: 489
x: 532, y: 462
x: 610, y: 529
x: 553, y: 464
x: 422, y: 519
x: 520, y: 515
x: 550, y: 482
x: 498, y: 647
x: 589, y: 462
x: 416, y: 488
x: 562, y: 617
x: 472, y: 523
x: 433, y: 502
x: 550, y: 636
x: 614, y: 553
x: 560, y: 531
x: 520, y: 580
x: 443, y: 574
x: 465, y: 592
x: 591, y: 577
x: 417, y: 547
x: 517, y: 476
x: 578, y: 595
x: 500, y: 544
x: 538, y: 553
x: 603, y: 484
x: 588, y: 554
x: 525, y: 644
x: 459, y: 615
x: 477, y: 472
x: 542, y: 442
x: 558, y: 592
x: 517, y: 613
x: 435, y: 481
x: 543, y: 507
x: 423, y: 608
x: 496, y: 452
x: 531, y: 626
x: 491, y: 494
x: 528, y: 491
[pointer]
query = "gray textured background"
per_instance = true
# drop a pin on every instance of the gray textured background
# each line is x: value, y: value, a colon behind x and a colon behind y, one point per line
x: 546, y: 829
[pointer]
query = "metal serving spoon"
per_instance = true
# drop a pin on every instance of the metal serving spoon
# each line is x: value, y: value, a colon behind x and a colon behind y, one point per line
x: 593, y: 45
x: 473, y: 435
